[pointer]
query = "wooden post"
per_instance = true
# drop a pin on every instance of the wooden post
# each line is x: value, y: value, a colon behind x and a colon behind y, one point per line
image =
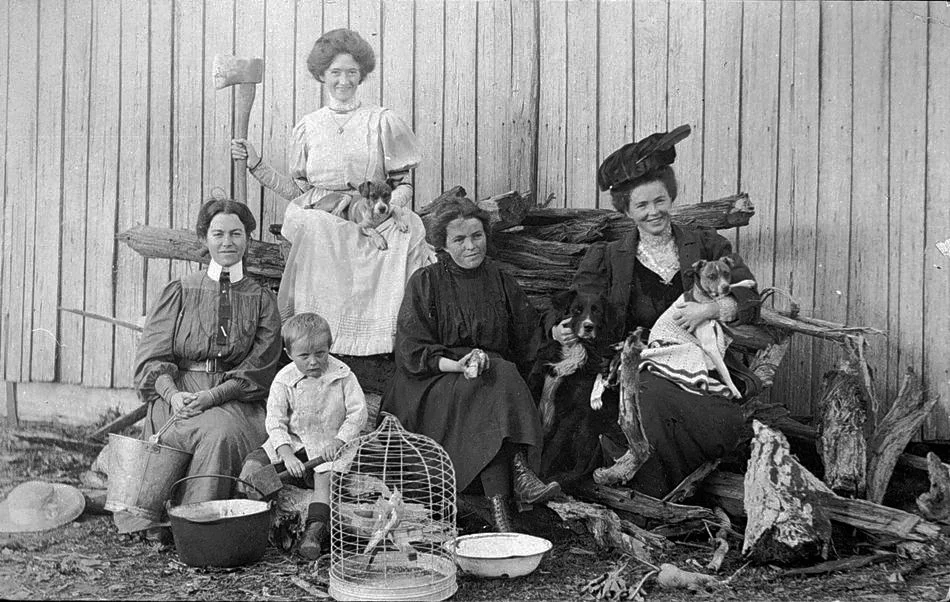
x: 13, y: 418
x: 841, y: 441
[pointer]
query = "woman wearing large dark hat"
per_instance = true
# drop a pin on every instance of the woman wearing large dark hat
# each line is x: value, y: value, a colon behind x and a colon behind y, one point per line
x: 641, y: 276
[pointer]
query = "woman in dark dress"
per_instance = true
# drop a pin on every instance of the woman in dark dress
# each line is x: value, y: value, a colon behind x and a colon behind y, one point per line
x: 209, y: 348
x: 462, y: 328
x: 641, y: 276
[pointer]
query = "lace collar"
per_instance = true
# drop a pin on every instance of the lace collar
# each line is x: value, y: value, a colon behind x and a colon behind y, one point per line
x: 658, y: 253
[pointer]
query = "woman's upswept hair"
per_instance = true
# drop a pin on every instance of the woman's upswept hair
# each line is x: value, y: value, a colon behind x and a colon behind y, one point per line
x: 215, y: 206
x: 453, y: 209
x: 336, y: 42
x: 620, y: 197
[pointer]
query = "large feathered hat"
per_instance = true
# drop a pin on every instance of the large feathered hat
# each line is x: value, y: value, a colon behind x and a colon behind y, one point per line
x: 635, y: 159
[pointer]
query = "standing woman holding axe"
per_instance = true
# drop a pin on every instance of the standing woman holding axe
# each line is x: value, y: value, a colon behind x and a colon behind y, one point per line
x: 333, y: 150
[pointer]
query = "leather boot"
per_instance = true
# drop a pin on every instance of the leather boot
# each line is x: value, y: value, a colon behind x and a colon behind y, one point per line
x: 313, y: 541
x: 498, y: 504
x: 529, y: 489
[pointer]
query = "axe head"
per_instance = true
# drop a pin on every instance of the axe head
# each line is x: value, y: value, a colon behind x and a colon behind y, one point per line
x: 230, y: 70
x: 266, y: 480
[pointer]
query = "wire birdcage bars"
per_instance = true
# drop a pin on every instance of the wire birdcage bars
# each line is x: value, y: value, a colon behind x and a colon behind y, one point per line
x: 392, y: 510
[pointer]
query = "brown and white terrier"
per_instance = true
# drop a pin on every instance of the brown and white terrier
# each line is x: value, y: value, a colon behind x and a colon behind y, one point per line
x: 713, y: 280
x: 371, y: 208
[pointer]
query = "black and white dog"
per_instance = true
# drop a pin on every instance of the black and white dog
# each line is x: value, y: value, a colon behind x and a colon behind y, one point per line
x: 562, y: 381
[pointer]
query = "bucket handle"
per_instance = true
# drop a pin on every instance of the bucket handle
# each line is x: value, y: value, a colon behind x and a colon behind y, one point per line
x: 171, y: 492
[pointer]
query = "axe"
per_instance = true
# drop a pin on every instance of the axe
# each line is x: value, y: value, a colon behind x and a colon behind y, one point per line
x: 245, y: 74
x: 269, y: 481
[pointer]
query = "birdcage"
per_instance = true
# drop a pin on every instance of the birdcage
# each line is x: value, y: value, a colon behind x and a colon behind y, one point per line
x: 392, y: 509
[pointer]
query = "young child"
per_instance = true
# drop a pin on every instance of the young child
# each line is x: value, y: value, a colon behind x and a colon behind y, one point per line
x: 314, y: 407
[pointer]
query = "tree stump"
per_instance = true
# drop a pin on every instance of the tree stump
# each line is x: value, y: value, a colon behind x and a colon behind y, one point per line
x: 290, y: 514
x: 783, y: 502
x: 841, y: 442
x: 935, y: 504
x: 629, y: 419
x: 890, y: 438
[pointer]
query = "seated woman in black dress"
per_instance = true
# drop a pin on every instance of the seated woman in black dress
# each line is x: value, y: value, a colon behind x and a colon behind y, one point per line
x: 460, y: 309
x: 641, y: 276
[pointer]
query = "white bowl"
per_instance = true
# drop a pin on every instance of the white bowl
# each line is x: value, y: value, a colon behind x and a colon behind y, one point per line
x: 499, y: 554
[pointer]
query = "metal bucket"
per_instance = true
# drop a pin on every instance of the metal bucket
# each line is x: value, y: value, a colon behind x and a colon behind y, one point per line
x: 142, y: 476
x: 220, y: 533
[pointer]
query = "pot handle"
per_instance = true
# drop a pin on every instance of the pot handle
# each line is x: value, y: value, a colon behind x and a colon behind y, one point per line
x: 171, y: 492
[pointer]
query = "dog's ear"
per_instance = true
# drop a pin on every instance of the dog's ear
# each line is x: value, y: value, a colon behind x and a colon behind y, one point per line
x: 694, y: 269
x: 563, y: 300
x: 365, y: 189
x: 729, y: 260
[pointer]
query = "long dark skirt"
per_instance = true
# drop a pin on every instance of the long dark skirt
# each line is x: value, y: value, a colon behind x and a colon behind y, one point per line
x: 684, y: 430
x: 470, y: 419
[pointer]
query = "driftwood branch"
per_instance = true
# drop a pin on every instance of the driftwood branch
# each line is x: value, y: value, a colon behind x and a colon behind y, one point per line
x: 122, y: 422
x: 611, y: 531
x: 634, y: 502
x: 786, y: 520
x: 687, y: 486
x: 506, y: 210
x: 873, y: 518
x: 638, y: 450
x: 905, y: 416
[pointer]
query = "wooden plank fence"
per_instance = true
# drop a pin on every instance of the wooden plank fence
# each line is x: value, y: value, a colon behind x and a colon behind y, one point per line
x: 832, y: 115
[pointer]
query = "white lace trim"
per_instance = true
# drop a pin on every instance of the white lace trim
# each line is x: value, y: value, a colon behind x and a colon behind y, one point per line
x: 658, y: 253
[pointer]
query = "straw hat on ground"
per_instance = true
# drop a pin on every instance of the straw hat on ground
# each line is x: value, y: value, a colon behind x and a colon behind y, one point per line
x: 39, y: 506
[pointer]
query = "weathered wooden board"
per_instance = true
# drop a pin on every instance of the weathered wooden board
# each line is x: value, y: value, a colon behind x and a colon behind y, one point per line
x: 133, y: 184
x: 615, y: 99
x: 49, y: 192
x: 650, y: 42
x: 6, y: 207
x: 494, y: 59
x: 308, y: 93
x: 158, y: 271
x: 869, y: 192
x: 721, y: 94
x: 218, y: 119
x: 365, y: 18
x: 187, y: 126
x: 277, y: 99
x: 522, y: 120
x: 458, y: 145
x: 797, y: 188
x: 834, y: 179
x: 908, y: 154
x: 552, y: 104
x: 98, y: 342
x: 761, y: 40
x: 20, y: 188
x: 249, y: 37
x: 581, y: 118
x: 429, y: 61
x: 685, y: 93
x: 936, y: 263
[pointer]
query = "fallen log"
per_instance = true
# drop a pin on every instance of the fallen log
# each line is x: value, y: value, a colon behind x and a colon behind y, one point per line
x: 611, y: 531
x: 786, y: 520
x: 935, y: 503
x: 120, y: 423
x: 894, y: 432
x: 728, y: 212
x: 687, y: 486
x: 638, y: 450
x: 841, y: 443
x: 634, y: 502
x: 861, y: 514
x: 505, y: 210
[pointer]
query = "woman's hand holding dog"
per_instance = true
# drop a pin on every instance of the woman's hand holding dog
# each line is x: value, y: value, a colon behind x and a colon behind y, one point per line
x: 693, y: 314
x: 563, y: 333
x: 242, y: 149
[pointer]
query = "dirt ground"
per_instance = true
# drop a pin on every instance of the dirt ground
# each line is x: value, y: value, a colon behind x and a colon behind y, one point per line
x: 88, y: 559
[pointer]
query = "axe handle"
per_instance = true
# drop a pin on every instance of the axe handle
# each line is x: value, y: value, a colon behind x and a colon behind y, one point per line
x: 306, y: 466
x: 243, y: 101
